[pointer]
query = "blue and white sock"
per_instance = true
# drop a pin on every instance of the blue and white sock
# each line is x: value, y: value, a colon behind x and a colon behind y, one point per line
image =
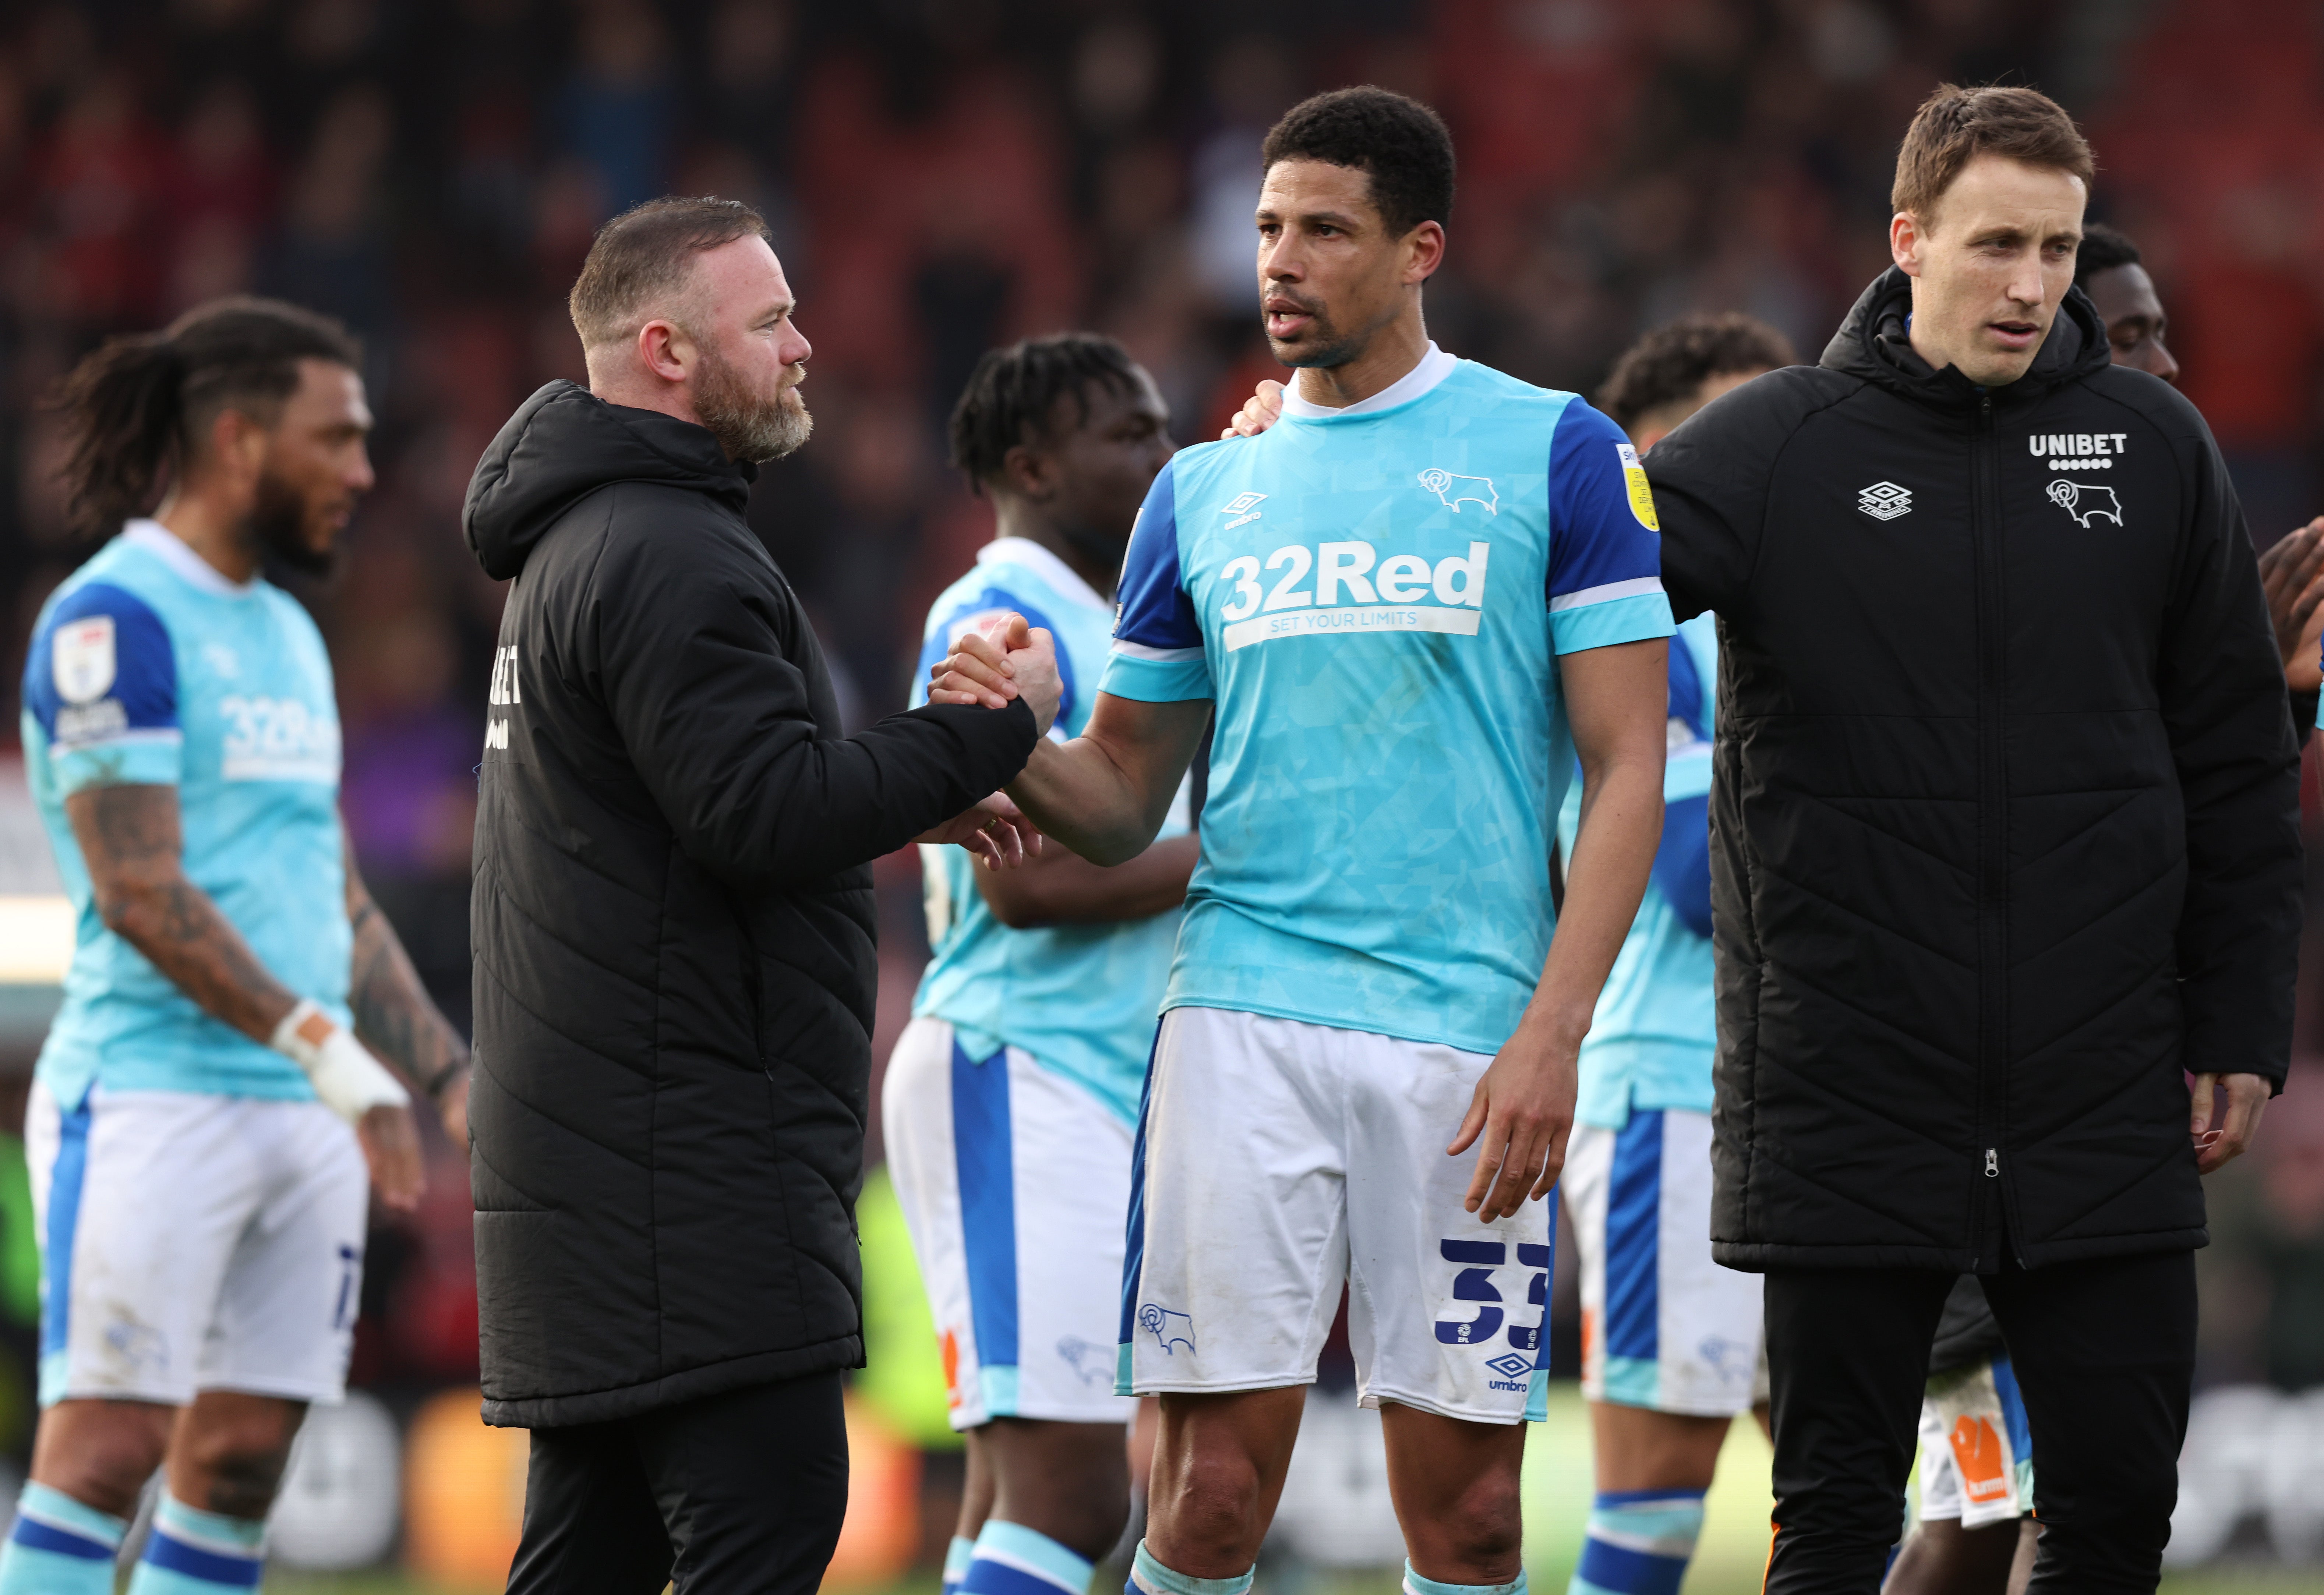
x: 59, y: 1547
x: 1150, y: 1577
x: 1414, y: 1584
x: 195, y: 1553
x: 1640, y: 1542
x: 957, y: 1556
x: 1012, y: 1559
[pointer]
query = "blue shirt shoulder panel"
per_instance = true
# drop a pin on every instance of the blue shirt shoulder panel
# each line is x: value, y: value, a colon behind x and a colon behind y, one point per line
x: 993, y: 599
x: 1155, y: 616
x: 1603, y: 543
x: 101, y: 671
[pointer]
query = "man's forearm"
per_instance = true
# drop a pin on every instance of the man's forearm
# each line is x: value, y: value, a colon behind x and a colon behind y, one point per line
x: 1061, y: 888
x: 130, y: 838
x: 1077, y: 792
x: 395, y: 1016
x: 1613, y: 851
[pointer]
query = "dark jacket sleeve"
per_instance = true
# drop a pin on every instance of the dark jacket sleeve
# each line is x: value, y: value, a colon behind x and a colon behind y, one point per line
x: 2221, y: 688
x: 699, y: 673
x: 1711, y: 477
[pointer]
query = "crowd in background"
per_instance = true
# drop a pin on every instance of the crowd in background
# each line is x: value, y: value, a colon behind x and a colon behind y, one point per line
x: 943, y: 175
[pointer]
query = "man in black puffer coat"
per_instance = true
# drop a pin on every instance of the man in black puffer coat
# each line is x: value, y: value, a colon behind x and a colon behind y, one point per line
x: 673, y: 930
x: 2005, y: 847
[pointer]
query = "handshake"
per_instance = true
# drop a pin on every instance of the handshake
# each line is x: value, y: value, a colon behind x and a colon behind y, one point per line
x: 1007, y: 658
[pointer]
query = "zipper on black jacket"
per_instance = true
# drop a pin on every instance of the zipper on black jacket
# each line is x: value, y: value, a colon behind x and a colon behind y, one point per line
x: 1992, y: 1201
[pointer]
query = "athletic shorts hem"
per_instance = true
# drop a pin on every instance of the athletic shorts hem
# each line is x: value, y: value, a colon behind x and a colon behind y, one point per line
x: 1677, y: 1409
x: 1218, y: 1386
x: 1505, y: 1417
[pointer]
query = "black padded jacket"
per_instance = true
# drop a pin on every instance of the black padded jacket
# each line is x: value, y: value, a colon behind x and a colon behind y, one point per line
x: 2004, y: 826
x: 673, y: 922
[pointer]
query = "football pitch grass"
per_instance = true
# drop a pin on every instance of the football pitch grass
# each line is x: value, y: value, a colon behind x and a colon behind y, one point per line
x: 1729, y: 1561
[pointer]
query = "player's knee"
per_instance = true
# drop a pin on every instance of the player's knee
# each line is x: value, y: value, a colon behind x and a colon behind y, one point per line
x: 241, y: 1463
x: 1092, y: 1521
x: 1214, y: 1503
x: 1484, y: 1525
x: 106, y: 1469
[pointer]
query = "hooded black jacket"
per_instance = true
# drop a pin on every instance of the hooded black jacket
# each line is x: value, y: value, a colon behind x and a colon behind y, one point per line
x: 2004, y: 824
x: 673, y: 927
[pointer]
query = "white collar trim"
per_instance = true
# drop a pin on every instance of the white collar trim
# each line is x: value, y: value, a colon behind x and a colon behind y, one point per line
x: 1434, y: 366
x: 1024, y: 550
x: 173, y: 552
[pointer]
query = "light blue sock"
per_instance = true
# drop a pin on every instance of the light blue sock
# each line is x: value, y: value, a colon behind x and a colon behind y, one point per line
x: 1639, y: 1542
x: 1013, y: 1560
x: 195, y: 1553
x: 956, y: 1555
x: 1150, y: 1577
x: 58, y: 1547
x: 1414, y: 1584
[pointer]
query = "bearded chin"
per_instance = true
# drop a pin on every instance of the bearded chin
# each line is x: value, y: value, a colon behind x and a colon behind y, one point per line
x: 279, y: 523
x: 749, y: 426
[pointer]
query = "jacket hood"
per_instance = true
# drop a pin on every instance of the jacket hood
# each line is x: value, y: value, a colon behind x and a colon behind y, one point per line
x: 1873, y: 344
x: 564, y: 442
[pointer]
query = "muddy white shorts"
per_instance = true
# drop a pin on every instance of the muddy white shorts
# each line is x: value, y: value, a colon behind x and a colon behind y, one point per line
x: 1977, y: 1449
x: 195, y: 1242
x: 1014, y: 1181
x: 1279, y: 1159
x: 1663, y: 1326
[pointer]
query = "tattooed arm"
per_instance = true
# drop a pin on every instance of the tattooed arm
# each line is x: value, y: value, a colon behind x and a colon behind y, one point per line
x: 394, y: 1015
x: 130, y: 838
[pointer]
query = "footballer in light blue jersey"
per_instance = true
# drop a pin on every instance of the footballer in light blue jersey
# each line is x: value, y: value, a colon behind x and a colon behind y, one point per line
x: 149, y: 668
x: 1080, y: 999
x: 207, y: 1115
x: 1376, y: 598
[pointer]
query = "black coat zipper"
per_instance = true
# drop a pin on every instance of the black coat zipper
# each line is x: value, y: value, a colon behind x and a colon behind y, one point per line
x: 1992, y: 827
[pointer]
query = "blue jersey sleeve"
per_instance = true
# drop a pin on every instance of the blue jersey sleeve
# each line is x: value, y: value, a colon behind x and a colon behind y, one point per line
x: 101, y: 683
x: 1605, y: 555
x: 948, y: 622
x: 1158, y: 643
x: 1681, y: 867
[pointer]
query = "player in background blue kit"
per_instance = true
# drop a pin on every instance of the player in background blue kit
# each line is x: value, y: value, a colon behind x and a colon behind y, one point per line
x: 203, y: 1111
x: 1011, y: 1099
x: 1413, y: 602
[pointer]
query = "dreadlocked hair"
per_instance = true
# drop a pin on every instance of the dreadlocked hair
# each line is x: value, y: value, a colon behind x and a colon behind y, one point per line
x: 1012, y: 391
x: 134, y: 406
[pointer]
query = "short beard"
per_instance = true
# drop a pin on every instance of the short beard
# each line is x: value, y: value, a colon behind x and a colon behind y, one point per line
x: 749, y: 425
x: 278, y: 522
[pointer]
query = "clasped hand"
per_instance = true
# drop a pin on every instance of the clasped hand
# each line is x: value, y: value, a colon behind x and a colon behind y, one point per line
x: 1009, y: 660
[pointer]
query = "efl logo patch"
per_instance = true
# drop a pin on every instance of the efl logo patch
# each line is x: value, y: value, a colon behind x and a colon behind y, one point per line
x: 82, y: 659
x: 1885, y: 501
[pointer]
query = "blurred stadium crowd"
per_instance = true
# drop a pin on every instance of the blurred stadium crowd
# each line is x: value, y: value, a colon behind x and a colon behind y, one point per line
x: 946, y: 174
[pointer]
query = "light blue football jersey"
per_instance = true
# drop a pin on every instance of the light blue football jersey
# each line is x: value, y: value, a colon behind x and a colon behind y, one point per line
x: 149, y: 668
x: 1376, y: 598
x: 1655, y: 1033
x: 1080, y: 999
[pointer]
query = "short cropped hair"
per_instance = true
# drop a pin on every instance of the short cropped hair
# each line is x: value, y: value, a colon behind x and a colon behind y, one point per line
x: 2103, y: 249
x: 1954, y: 125
x: 644, y: 253
x: 1671, y: 363
x: 1013, y: 392
x: 1400, y: 143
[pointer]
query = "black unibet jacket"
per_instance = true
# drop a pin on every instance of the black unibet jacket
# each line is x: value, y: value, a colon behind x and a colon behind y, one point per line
x: 673, y: 927
x: 2005, y: 822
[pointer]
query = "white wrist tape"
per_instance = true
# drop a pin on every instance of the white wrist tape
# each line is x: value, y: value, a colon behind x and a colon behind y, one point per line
x: 350, y: 1081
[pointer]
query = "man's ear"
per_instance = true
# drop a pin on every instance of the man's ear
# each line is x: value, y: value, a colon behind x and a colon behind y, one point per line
x: 237, y: 443
x: 1424, y: 251
x: 1028, y: 473
x: 1906, y: 236
x: 665, y: 349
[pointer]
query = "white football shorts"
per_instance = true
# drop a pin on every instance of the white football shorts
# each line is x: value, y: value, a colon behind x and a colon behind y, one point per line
x: 1663, y: 1326
x: 1013, y: 1181
x: 195, y: 1242
x: 1977, y: 1449
x: 1277, y: 1160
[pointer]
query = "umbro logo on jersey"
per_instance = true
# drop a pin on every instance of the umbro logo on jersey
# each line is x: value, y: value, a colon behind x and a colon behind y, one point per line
x: 1453, y: 491
x: 1510, y: 1366
x: 1241, y: 509
x: 1885, y: 501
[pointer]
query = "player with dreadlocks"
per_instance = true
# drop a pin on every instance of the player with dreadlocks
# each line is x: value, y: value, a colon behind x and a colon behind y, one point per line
x: 209, y: 1096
